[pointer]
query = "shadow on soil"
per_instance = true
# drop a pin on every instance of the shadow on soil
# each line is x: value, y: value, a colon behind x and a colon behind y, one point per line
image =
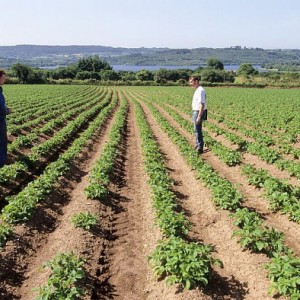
x: 221, y: 287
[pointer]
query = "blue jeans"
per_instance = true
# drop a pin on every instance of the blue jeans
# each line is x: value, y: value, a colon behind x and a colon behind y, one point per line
x: 3, y: 143
x: 198, y: 131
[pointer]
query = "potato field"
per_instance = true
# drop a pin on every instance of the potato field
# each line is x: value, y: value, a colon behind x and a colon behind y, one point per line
x: 104, y: 196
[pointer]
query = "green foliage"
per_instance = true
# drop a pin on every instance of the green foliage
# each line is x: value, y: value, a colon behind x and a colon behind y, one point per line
x: 180, y: 262
x: 172, y: 223
x: 256, y: 237
x: 85, y: 220
x: 281, y: 195
x: 210, y: 75
x: 144, y: 75
x: 284, y: 273
x: 292, y: 166
x: 92, y: 64
x: 66, y: 270
x: 5, y: 232
x: 267, y: 154
x: 9, y: 172
x: 215, y: 63
x: 246, y: 70
x: 255, y: 177
x: 100, y: 175
x: 96, y: 191
x: 22, y: 72
x: 64, y: 73
x: 109, y: 75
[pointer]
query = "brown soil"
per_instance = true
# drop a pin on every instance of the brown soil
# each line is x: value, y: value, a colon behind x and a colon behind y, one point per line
x: 254, y: 198
x: 243, y: 276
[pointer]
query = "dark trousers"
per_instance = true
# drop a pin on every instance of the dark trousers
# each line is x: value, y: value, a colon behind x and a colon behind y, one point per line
x: 3, y: 143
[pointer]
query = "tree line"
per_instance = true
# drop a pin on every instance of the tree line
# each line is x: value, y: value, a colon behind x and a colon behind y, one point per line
x: 94, y: 69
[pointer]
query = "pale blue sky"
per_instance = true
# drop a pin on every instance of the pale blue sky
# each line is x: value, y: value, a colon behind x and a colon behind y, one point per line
x: 189, y: 24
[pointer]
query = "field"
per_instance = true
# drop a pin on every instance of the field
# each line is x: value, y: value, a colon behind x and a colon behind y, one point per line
x: 160, y: 221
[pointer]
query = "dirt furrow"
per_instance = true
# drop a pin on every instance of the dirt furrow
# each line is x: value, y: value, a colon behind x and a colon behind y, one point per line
x: 134, y: 236
x: 50, y: 230
x: 243, y: 276
x: 254, y: 197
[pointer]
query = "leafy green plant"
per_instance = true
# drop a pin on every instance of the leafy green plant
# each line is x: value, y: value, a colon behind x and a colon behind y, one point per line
x: 84, y: 220
x: 255, y: 177
x: 181, y: 262
x: 172, y: 223
x: 100, y: 176
x: 96, y: 191
x: 284, y: 273
x: 66, y: 270
x: 281, y: 195
x: 5, y: 232
x: 256, y: 237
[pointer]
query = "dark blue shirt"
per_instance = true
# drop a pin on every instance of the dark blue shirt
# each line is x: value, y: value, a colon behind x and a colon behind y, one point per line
x: 3, y: 109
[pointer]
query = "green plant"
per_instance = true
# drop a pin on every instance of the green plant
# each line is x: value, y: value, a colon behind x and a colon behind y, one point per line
x: 284, y: 273
x: 181, y: 262
x: 255, y: 177
x: 84, y: 220
x: 5, y: 232
x: 66, y: 269
x: 256, y: 237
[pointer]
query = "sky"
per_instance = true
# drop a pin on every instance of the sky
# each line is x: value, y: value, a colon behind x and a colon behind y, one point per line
x: 267, y: 24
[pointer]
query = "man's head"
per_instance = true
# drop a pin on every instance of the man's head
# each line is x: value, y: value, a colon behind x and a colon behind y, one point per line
x: 194, y: 81
x: 2, y: 76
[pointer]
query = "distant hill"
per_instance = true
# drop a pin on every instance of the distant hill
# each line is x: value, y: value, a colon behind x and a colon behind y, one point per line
x: 47, y: 56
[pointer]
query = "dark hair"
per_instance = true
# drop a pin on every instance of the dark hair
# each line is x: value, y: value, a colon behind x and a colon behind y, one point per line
x: 2, y: 72
x: 194, y: 78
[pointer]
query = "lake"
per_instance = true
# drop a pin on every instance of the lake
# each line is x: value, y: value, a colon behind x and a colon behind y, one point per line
x: 154, y: 68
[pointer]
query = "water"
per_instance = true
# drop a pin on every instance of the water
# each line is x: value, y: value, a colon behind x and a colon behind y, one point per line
x: 149, y: 68
x: 154, y: 68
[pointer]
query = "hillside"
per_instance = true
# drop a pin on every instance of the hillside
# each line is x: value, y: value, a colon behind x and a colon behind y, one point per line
x: 43, y: 56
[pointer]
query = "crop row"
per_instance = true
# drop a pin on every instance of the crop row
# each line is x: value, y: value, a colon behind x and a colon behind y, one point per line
x: 175, y: 258
x: 260, y: 110
x: 22, y: 206
x: 252, y: 233
x: 35, y: 100
x: 267, y: 154
x: 10, y: 172
x: 56, y: 117
x: 282, y: 196
x: 66, y: 268
x: 261, y: 148
x: 50, y: 110
x: 99, y: 178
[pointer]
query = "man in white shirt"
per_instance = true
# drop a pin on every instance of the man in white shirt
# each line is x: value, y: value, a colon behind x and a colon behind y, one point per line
x: 199, y: 111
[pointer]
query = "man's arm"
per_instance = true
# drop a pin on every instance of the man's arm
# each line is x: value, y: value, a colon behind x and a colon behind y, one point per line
x: 201, y: 110
x: 4, y: 110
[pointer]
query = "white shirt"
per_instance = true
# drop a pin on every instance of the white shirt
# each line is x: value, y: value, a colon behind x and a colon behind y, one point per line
x: 199, y: 97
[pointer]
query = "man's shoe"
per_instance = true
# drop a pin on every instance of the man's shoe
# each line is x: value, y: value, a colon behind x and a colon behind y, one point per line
x: 200, y: 151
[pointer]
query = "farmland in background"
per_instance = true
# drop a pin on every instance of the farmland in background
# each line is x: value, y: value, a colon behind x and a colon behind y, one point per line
x: 121, y: 161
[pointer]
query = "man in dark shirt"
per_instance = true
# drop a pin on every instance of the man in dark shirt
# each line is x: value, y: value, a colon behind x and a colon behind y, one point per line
x: 3, y: 129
